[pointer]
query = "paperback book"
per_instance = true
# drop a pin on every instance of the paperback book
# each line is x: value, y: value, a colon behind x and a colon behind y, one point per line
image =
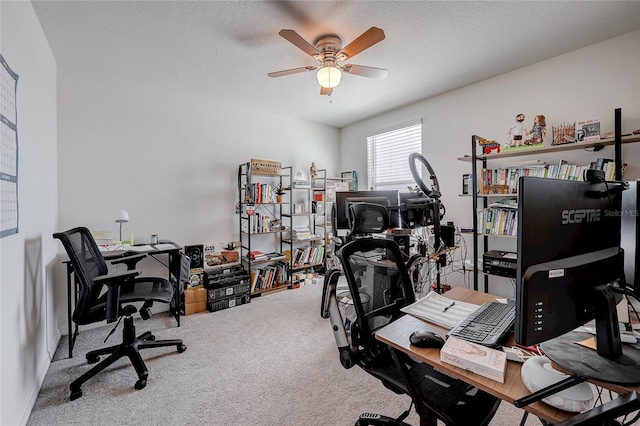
x: 479, y: 359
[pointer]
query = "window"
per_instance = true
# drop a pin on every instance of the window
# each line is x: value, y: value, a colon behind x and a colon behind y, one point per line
x: 388, y: 156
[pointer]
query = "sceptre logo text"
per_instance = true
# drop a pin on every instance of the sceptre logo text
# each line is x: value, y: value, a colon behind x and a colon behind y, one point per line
x: 580, y: 215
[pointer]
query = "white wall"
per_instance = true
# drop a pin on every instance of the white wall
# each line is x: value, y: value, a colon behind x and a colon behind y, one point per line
x: 586, y: 83
x: 169, y: 158
x: 28, y: 331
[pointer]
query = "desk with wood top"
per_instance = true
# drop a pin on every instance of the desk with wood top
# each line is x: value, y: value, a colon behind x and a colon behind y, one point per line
x: 397, y: 335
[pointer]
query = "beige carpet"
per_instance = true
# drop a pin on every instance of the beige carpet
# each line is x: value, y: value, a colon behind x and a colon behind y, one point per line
x: 270, y: 362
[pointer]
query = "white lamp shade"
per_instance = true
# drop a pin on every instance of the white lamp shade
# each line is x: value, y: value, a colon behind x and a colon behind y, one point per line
x: 123, y: 218
x: 329, y: 77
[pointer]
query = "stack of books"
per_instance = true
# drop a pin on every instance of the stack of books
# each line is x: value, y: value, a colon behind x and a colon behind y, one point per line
x: 257, y: 255
x: 300, y: 232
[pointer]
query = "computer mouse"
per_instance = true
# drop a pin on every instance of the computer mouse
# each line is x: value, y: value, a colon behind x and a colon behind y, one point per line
x: 426, y: 339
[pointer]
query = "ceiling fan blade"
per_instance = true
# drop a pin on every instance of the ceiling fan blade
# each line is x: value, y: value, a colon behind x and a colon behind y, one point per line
x: 291, y: 71
x: 377, y: 73
x: 367, y: 39
x: 326, y: 90
x: 295, y: 38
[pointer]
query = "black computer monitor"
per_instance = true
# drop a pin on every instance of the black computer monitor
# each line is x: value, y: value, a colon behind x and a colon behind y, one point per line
x: 630, y: 237
x: 345, y: 199
x: 569, y: 260
x: 414, y: 210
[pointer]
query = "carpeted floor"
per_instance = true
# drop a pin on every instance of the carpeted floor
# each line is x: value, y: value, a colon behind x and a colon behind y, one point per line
x: 270, y: 362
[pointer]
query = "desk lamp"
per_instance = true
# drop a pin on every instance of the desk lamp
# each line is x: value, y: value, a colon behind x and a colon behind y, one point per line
x: 123, y: 218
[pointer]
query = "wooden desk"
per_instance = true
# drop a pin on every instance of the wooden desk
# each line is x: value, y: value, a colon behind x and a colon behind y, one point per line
x: 397, y: 335
x: 173, y: 267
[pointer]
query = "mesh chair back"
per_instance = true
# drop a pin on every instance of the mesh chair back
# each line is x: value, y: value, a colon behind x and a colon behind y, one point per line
x: 379, y: 286
x: 88, y: 263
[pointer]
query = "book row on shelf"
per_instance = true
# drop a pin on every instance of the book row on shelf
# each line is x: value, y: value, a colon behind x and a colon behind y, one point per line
x: 505, y: 180
x: 499, y: 221
x: 260, y: 222
x: 308, y: 256
x: 269, y: 276
x: 259, y: 193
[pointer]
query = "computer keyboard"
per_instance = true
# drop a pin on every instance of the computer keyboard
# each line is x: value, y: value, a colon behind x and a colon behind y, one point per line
x: 487, y: 325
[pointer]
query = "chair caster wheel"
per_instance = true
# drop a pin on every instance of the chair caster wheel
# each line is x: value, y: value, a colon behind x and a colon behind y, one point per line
x: 75, y: 394
x: 181, y: 348
x: 140, y: 384
x: 92, y: 359
x: 151, y: 338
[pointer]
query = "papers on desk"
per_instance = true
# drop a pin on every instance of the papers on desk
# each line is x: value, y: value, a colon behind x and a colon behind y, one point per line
x: 115, y: 247
x: 164, y: 246
x: 145, y: 248
x: 440, y: 310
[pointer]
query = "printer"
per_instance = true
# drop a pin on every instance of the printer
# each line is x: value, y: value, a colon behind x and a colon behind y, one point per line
x: 498, y: 262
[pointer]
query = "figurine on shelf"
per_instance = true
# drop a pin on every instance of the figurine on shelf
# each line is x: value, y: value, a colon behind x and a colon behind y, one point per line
x: 539, y: 130
x: 516, y: 132
x: 313, y: 172
x: 489, y: 146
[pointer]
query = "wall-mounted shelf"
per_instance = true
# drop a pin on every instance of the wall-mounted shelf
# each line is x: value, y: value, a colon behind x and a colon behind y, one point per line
x: 479, y: 162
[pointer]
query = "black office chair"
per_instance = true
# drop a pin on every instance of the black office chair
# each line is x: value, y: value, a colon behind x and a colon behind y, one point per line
x: 94, y: 305
x: 606, y: 414
x: 379, y: 287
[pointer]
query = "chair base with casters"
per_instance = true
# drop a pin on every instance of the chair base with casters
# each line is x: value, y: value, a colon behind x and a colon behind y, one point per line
x: 370, y: 419
x: 130, y: 347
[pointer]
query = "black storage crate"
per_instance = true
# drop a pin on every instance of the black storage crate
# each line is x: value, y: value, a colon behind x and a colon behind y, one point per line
x: 232, y: 290
x: 228, y: 302
x: 220, y: 278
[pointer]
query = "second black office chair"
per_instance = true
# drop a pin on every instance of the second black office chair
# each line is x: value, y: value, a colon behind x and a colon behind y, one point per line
x: 379, y: 287
x: 95, y: 305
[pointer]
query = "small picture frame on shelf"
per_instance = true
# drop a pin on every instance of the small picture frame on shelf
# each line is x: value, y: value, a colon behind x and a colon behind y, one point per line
x: 298, y: 208
x: 317, y: 207
x: 465, y: 184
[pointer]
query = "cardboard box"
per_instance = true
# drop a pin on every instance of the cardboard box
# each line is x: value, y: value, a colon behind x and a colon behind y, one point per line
x: 221, y: 255
x: 479, y: 359
x: 195, y: 300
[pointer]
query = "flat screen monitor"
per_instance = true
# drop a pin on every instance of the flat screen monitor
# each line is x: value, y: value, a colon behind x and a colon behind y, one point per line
x: 414, y: 210
x: 345, y: 199
x: 630, y: 236
x: 570, y: 264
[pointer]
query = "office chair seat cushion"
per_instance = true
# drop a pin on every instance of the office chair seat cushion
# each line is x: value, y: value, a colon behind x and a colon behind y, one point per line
x: 141, y: 290
x: 455, y: 401
x: 147, y: 288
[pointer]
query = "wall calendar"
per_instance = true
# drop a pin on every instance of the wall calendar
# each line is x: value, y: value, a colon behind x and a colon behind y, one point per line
x: 8, y: 151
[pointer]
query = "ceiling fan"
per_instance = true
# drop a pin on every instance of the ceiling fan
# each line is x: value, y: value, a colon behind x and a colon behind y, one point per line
x: 328, y: 50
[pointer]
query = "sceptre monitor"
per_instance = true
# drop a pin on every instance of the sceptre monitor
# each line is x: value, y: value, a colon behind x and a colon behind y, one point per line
x: 569, y: 260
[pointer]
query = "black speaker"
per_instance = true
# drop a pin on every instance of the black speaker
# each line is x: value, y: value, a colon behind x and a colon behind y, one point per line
x: 195, y: 253
x: 404, y: 242
x: 447, y: 234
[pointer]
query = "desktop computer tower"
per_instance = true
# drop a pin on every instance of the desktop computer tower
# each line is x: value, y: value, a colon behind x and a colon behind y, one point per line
x: 630, y: 233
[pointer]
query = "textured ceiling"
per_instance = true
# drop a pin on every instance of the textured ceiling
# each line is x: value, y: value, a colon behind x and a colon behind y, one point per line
x: 224, y: 49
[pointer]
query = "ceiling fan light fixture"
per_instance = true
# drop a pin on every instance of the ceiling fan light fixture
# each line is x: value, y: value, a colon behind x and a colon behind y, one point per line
x: 329, y: 76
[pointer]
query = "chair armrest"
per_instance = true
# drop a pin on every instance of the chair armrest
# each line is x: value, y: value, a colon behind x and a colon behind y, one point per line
x: 620, y: 406
x: 131, y: 261
x: 113, y: 283
x: 330, y: 282
x: 329, y: 309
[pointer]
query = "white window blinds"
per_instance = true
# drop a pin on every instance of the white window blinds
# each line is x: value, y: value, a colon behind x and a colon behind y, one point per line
x: 388, y: 156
